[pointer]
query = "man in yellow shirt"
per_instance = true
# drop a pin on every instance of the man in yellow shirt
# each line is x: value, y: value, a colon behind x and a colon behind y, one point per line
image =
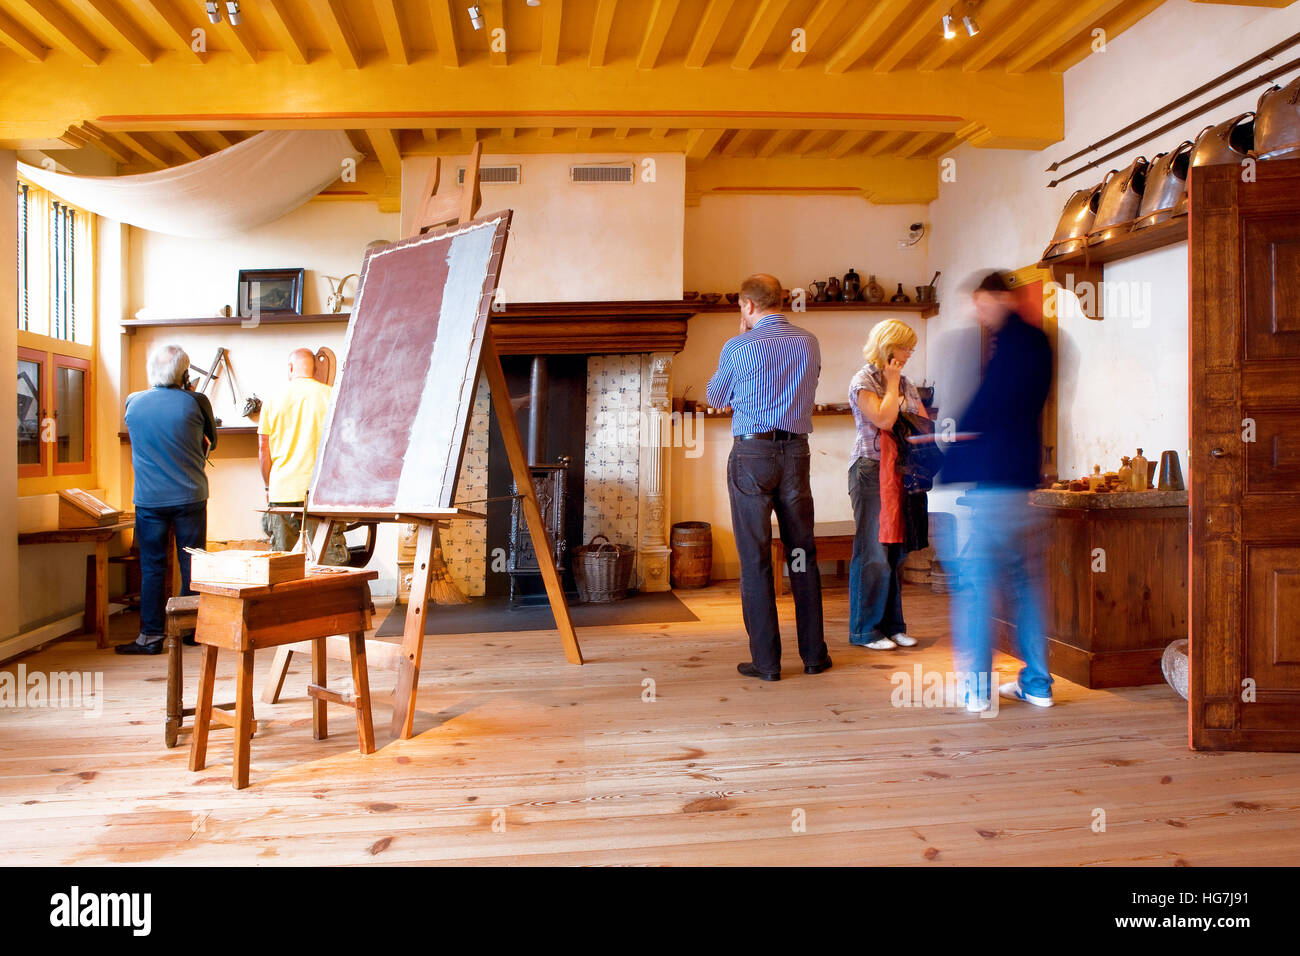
x: 288, y: 431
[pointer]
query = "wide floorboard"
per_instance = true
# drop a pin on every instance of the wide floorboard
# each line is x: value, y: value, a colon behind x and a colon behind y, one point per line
x: 654, y: 752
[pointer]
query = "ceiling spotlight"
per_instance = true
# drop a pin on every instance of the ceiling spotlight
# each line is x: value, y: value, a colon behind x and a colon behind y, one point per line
x: 214, y: 11
x: 533, y: 3
x: 972, y: 28
x: 232, y: 8
x: 948, y: 31
x: 476, y: 17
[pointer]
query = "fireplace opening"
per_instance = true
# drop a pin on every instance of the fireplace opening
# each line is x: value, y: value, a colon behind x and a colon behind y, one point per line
x: 550, y: 398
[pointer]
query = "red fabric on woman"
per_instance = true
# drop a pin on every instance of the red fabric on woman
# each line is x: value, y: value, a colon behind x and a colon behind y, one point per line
x: 891, y: 492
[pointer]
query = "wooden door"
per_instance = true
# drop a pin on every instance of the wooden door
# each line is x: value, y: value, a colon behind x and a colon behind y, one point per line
x: 1244, y: 356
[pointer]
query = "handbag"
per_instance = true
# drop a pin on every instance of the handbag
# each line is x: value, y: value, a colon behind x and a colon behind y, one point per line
x: 919, y: 455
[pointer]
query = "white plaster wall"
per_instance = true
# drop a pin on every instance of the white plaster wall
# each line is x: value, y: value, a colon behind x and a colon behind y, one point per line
x: 1122, y: 381
x: 578, y: 242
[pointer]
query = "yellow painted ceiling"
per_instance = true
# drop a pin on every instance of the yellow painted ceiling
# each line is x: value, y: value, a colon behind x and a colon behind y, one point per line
x: 874, y: 92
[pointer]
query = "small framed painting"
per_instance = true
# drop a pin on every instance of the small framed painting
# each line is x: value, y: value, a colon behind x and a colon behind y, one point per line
x: 267, y: 291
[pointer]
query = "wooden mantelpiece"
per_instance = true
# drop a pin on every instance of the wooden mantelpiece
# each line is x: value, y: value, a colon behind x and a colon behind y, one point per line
x: 572, y: 328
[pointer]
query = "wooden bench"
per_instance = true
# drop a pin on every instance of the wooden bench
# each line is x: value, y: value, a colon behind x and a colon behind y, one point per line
x: 245, y: 618
x: 834, y: 542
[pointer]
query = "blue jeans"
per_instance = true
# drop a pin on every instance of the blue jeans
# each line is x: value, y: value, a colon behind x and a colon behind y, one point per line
x: 1001, y: 557
x: 190, y: 525
x: 875, y: 586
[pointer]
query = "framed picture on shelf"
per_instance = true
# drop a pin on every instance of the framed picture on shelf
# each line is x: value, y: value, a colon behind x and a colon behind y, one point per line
x: 268, y: 291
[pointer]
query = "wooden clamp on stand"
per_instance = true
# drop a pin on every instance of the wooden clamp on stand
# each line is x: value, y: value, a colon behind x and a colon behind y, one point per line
x: 393, y: 444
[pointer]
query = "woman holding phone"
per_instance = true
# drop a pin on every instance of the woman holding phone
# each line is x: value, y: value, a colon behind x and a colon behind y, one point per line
x: 876, y: 394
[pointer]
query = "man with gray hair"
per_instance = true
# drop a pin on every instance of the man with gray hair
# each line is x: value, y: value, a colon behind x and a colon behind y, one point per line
x: 171, y: 430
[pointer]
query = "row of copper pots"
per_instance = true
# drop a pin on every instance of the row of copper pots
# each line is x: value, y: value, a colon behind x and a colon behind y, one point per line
x: 1150, y: 192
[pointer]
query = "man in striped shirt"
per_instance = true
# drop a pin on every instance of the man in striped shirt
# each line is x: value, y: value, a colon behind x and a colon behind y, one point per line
x: 768, y: 376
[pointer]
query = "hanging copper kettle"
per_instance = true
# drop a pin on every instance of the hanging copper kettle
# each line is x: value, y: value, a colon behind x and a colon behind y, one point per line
x: 1121, y: 195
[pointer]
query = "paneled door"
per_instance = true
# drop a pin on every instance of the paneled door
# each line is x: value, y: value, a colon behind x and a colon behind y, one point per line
x: 1244, y: 355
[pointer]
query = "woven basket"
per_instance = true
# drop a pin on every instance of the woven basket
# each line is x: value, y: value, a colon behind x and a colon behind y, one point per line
x: 602, y: 571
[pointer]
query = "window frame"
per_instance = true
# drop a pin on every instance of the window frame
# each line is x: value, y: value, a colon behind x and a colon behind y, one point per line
x: 41, y: 358
x: 60, y: 360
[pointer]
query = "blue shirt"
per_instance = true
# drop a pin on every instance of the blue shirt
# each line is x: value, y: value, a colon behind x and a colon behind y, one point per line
x: 768, y: 376
x: 167, y: 428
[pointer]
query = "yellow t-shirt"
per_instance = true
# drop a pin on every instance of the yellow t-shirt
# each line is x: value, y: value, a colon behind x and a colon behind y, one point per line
x: 294, y: 423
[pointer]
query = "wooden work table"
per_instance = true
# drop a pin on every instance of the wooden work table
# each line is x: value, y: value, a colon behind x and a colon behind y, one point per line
x: 1109, y: 628
x: 96, y: 614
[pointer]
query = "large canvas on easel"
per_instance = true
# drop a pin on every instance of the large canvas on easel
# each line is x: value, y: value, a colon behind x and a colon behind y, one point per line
x: 396, y: 429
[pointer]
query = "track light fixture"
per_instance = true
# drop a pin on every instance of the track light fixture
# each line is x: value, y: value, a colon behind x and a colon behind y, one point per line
x: 214, y: 11
x: 948, y: 31
x: 972, y: 28
x: 232, y: 10
x: 476, y: 17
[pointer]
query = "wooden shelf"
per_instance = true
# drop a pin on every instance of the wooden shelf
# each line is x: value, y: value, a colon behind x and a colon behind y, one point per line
x: 275, y: 318
x: 125, y: 436
x: 925, y: 310
x: 1122, y: 247
x: 829, y: 413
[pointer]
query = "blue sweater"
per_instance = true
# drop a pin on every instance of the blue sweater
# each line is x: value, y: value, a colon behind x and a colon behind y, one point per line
x: 168, y: 427
x: 1006, y: 412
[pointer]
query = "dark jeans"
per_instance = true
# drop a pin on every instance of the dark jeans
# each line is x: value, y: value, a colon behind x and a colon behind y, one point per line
x: 875, y: 588
x: 190, y: 525
x: 763, y: 476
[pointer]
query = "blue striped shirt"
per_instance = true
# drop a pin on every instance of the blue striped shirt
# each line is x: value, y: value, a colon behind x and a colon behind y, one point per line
x: 768, y: 376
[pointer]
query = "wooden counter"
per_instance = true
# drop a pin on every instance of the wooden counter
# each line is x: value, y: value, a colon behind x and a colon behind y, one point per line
x: 1109, y: 628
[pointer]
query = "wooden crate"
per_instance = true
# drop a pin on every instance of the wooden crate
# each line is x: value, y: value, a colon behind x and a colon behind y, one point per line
x: 247, y: 567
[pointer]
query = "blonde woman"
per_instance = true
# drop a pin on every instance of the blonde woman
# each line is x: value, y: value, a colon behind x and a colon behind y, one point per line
x: 876, y: 394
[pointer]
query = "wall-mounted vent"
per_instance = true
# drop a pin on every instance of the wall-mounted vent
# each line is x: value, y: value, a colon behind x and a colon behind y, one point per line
x: 599, y: 173
x: 491, y: 174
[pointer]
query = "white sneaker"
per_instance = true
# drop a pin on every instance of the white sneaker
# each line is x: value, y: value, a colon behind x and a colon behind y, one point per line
x: 976, y: 705
x: 884, y: 644
x: 903, y: 640
x: 1013, y: 692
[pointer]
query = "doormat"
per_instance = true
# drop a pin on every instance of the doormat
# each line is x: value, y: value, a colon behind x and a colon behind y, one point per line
x: 492, y: 615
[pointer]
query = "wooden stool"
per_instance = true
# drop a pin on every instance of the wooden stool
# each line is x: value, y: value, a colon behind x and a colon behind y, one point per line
x: 182, y: 616
x: 834, y: 541
x: 248, y: 617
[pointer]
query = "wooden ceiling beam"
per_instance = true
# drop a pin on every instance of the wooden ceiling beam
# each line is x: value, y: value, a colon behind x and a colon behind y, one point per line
x: 182, y: 144
x: 706, y: 34
x: 1003, y: 36
x: 123, y: 31
x: 105, y: 144
x: 989, y: 12
x: 390, y: 24
x: 387, y: 151
x: 239, y: 40
x: 772, y: 143
x: 333, y: 21
x: 494, y: 19
x: 818, y: 22
x: 142, y: 148
x: 912, y: 145
x: 21, y: 40
x: 550, y: 52
x: 700, y: 142
x: 737, y: 143
x: 863, y: 37
x: 216, y: 139
x: 882, y: 179
x: 805, y: 143
x: 165, y: 18
x: 63, y: 32
x: 847, y: 142
x: 661, y: 18
x: 885, y: 143
x: 283, y: 26
x: 759, y: 33
x: 1081, y: 15
x: 1131, y: 13
x: 600, y: 28
x: 444, y: 35
x: 928, y: 18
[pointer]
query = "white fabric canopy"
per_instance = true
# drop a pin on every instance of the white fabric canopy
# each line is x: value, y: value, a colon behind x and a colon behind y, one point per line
x: 242, y: 186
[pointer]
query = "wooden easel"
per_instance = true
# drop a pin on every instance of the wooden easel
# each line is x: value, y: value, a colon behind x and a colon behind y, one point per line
x: 433, y: 212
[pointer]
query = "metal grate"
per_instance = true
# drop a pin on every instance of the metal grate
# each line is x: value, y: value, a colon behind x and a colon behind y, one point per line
x: 621, y: 173
x: 491, y: 174
x: 24, y: 298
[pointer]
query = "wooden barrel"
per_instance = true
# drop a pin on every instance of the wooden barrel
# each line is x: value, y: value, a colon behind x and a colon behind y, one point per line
x: 692, y: 560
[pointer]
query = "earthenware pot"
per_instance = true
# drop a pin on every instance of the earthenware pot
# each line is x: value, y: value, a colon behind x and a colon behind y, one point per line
x: 874, y: 292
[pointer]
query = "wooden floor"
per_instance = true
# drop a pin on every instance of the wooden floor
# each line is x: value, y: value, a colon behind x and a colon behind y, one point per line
x: 521, y: 758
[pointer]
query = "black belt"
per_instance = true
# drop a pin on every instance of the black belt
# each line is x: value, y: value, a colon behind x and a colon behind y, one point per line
x: 776, y: 434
